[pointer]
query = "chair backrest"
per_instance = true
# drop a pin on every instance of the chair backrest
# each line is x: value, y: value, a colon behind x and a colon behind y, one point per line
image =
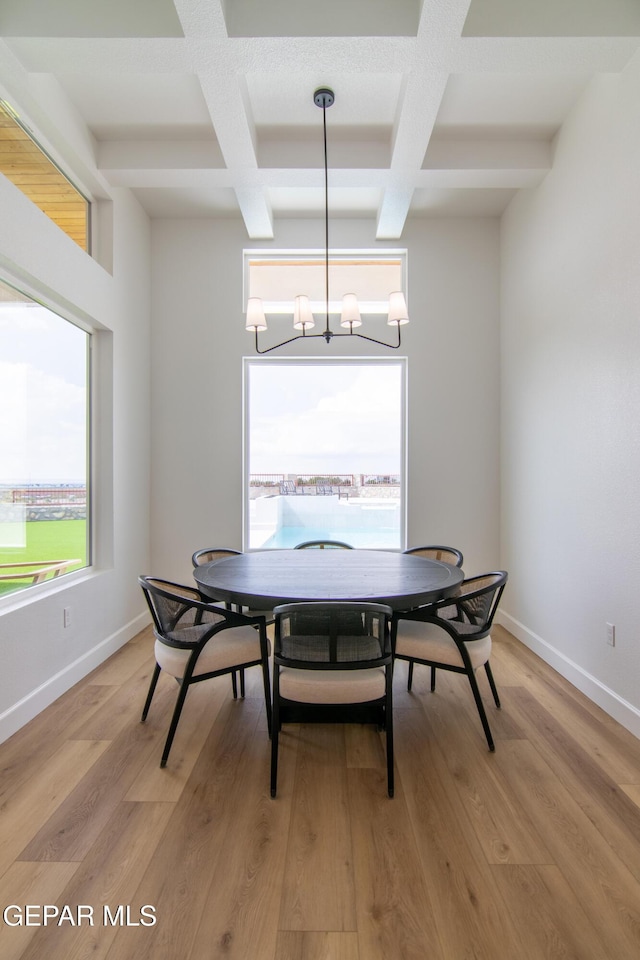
x: 172, y: 605
x: 323, y: 545
x: 445, y: 554
x: 477, y: 601
x: 209, y: 554
x: 333, y: 635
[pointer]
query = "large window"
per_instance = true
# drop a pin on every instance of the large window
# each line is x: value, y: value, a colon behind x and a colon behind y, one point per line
x: 44, y: 405
x: 324, y: 452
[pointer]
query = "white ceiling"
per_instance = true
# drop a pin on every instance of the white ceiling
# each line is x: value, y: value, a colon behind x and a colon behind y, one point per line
x: 205, y: 107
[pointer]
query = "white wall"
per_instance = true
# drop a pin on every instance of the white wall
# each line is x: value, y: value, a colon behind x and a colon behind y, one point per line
x: 197, y: 348
x: 40, y: 658
x: 571, y: 401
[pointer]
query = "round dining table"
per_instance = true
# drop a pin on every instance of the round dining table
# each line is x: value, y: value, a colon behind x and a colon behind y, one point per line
x: 266, y: 578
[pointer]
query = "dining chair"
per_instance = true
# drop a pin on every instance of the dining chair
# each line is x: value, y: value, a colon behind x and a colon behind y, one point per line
x: 460, y: 642
x: 323, y: 545
x: 211, y: 555
x: 195, y: 641
x: 332, y: 663
x: 445, y: 554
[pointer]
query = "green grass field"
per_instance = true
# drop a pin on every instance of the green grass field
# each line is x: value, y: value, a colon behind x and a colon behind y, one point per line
x: 46, y: 540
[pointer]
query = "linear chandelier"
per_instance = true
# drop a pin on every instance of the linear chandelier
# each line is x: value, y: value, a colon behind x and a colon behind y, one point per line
x: 303, y: 318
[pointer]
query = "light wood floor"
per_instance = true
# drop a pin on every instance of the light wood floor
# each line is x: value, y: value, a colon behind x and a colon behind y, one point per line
x: 531, y: 853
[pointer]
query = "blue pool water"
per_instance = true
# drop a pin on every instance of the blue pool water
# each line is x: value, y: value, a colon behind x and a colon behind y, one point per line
x: 287, y: 537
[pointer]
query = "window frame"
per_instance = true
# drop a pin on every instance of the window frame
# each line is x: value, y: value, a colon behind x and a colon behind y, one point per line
x: 31, y: 592
x: 371, y: 361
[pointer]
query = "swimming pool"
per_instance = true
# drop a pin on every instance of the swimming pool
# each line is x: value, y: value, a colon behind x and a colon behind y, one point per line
x: 288, y: 537
x: 282, y: 522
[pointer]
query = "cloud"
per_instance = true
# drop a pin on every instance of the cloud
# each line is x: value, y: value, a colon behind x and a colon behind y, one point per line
x: 42, y: 425
x: 353, y: 427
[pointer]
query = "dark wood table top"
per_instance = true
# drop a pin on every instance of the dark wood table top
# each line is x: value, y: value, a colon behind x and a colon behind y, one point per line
x: 269, y: 577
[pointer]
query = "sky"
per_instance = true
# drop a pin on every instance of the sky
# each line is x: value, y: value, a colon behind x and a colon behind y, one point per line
x: 325, y: 417
x: 43, y: 396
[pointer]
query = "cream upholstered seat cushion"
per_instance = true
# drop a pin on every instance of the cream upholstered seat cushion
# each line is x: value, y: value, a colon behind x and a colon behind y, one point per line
x: 225, y: 649
x: 417, y: 640
x: 332, y: 686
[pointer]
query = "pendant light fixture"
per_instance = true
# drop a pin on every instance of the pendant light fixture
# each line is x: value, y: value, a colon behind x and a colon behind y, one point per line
x: 303, y: 319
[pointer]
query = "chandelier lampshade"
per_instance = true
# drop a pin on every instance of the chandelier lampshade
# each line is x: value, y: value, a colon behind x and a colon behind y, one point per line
x: 397, y: 309
x: 302, y: 315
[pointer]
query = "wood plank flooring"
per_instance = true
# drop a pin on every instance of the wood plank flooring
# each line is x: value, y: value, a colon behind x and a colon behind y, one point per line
x: 530, y: 853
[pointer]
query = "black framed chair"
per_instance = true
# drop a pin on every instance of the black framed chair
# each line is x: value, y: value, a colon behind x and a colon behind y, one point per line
x: 332, y: 663
x: 459, y: 642
x: 323, y: 545
x: 445, y: 554
x: 210, y: 555
x: 195, y: 641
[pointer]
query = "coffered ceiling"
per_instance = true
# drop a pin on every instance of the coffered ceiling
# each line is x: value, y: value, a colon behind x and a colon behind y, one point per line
x: 204, y: 108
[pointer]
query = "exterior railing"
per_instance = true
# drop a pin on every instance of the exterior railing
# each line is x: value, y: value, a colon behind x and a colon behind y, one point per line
x: 266, y: 479
x: 383, y: 480
x: 344, y: 485
x: 325, y: 480
x: 36, y: 495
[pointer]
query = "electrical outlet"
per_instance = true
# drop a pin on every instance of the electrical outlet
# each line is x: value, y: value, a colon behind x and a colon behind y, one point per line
x: 611, y: 634
x: 66, y: 616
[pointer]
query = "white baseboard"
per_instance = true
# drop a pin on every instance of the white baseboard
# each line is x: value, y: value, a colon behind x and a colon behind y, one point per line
x: 35, y: 702
x: 618, y: 708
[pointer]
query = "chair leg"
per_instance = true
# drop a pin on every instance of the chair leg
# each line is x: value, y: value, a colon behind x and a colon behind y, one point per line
x: 184, y: 687
x: 241, y: 672
x: 492, y: 684
x: 275, y: 731
x: 410, y: 675
x: 152, y: 687
x: 389, y: 726
x: 267, y: 695
x: 433, y: 679
x: 234, y: 684
x: 479, y: 704
x: 274, y: 760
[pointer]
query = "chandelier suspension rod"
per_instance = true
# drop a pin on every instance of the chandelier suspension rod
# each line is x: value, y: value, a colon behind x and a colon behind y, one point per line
x: 327, y: 333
